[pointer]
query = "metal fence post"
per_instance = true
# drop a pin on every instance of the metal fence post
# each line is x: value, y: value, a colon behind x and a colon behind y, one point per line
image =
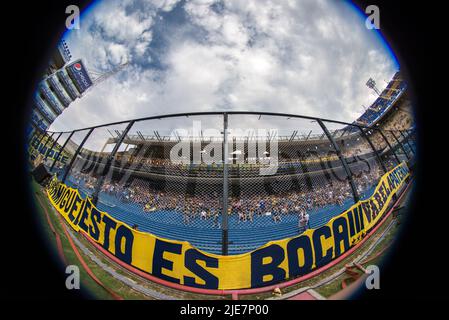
x: 401, y: 145
x: 60, y: 151
x: 379, y: 158
x: 342, y: 159
x: 224, y: 224
x: 108, y: 164
x: 53, y: 145
x: 406, y: 140
x: 69, y: 166
x: 389, y: 146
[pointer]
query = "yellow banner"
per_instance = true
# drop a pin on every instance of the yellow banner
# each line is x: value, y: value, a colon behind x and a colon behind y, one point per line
x: 274, y: 262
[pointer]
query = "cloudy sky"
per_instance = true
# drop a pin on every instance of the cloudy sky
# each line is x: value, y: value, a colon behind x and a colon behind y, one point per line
x: 310, y: 57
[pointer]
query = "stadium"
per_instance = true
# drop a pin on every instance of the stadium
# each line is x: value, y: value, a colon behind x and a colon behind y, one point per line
x: 217, y: 150
x: 233, y: 204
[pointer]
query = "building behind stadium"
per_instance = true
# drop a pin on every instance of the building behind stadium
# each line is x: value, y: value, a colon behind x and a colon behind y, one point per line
x: 64, y: 81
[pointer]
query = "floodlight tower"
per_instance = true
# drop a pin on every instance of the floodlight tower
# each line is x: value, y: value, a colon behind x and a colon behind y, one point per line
x: 99, y: 77
x: 372, y: 85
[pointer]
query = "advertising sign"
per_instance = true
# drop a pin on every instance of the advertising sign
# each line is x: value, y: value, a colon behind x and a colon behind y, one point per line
x: 78, y: 72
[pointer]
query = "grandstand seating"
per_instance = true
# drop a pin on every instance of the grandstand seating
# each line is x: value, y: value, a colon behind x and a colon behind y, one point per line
x: 136, y: 202
x: 382, y: 103
x: 243, y: 236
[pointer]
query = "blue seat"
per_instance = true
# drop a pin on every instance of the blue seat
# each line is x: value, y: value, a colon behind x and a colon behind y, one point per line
x: 243, y: 236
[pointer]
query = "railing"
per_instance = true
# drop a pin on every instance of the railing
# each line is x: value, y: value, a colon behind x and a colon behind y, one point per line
x: 226, y: 182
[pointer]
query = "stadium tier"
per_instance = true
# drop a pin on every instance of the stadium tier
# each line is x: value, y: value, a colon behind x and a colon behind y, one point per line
x: 205, y: 233
x: 381, y: 106
x: 129, y: 172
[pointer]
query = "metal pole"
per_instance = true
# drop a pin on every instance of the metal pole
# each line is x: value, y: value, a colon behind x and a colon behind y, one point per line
x: 108, y: 164
x: 342, y: 159
x: 382, y: 164
x: 69, y: 167
x: 224, y: 214
x: 401, y: 145
x: 60, y: 150
x: 406, y: 140
x: 389, y: 146
x: 173, y: 115
x: 53, y: 145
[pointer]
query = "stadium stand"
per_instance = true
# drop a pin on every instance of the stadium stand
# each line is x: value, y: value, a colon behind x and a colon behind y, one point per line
x: 382, y: 105
x: 317, y: 177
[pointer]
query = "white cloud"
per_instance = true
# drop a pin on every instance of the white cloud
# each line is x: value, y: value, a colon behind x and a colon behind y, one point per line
x: 304, y: 57
x: 119, y: 53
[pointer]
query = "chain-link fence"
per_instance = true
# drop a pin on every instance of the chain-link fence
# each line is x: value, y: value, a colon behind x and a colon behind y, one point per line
x: 226, y: 182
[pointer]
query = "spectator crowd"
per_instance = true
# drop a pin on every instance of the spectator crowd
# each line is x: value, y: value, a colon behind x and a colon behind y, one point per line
x: 206, y: 204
